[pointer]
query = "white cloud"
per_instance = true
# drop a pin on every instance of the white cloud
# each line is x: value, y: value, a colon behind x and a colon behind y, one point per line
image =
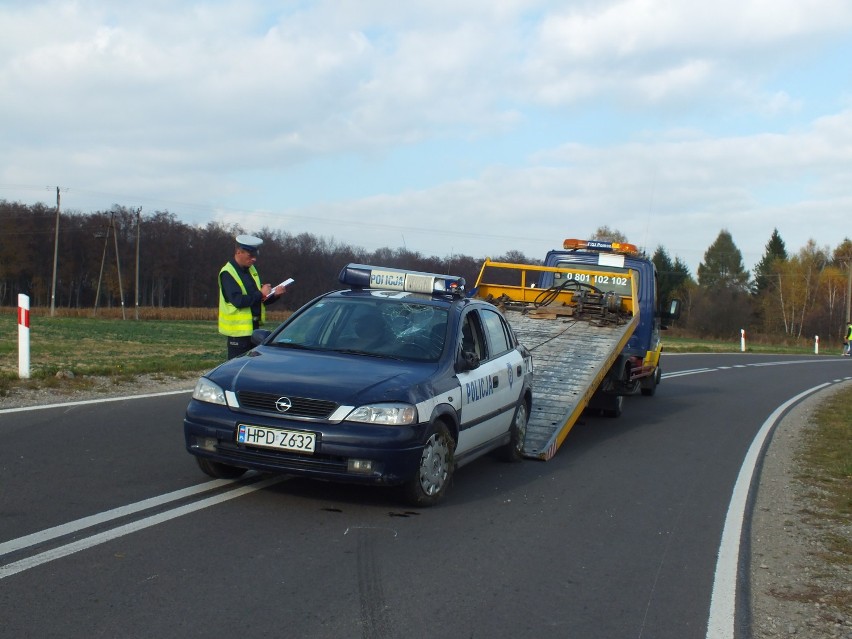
x: 666, y: 119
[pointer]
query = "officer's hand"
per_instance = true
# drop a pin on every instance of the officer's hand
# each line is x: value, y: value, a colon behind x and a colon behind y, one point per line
x: 266, y: 289
x: 278, y: 290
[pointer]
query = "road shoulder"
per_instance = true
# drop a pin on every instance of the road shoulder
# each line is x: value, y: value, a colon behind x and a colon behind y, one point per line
x: 791, y: 585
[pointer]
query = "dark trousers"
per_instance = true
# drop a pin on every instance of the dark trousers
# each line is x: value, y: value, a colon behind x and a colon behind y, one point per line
x: 238, y: 345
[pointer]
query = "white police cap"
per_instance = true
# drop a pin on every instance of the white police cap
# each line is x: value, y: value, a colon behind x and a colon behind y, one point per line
x: 249, y: 243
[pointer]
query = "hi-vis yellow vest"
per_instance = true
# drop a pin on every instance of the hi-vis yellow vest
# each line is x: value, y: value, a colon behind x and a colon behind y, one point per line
x: 233, y: 321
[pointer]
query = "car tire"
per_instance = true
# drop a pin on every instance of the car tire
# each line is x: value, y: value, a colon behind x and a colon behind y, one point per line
x: 434, y: 471
x: 219, y: 470
x: 514, y: 450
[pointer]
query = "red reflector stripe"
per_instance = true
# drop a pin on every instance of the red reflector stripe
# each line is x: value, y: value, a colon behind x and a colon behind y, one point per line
x: 23, y: 317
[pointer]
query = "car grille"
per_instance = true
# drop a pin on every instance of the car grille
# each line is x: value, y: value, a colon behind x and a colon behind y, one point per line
x: 281, y: 460
x: 301, y: 406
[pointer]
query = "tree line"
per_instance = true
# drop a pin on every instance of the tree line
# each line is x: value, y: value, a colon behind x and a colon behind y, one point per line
x: 121, y: 257
x: 792, y: 296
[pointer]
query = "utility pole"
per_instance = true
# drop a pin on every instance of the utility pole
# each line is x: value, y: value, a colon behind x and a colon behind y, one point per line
x: 849, y: 291
x: 103, y: 261
x: 118, y: 266
x: 138, y: 212
x: 55, y: 256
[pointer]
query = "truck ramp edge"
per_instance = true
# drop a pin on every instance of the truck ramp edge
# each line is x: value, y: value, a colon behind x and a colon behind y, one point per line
x: 571, y: 359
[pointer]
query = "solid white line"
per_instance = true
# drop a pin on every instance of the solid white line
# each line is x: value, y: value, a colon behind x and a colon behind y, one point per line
x: 83, y: 402
x: 694, y: 371
x: 108, y: 515
x: 720, y: 624
x: 153, y: 520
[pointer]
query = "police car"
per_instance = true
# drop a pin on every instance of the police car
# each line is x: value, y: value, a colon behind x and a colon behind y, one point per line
x: 397, y: 380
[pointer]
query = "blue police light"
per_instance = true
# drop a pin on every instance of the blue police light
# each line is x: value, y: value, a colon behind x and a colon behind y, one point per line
x: 394, y: 279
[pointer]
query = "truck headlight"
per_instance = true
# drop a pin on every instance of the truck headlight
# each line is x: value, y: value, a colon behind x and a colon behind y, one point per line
x: 207, y: 391
x: 384, y: 414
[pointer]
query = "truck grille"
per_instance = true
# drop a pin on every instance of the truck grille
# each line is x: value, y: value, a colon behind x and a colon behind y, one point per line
x: 300, y: 406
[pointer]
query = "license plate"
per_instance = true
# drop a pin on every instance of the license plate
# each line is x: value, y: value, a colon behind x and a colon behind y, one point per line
x: 276, y: 438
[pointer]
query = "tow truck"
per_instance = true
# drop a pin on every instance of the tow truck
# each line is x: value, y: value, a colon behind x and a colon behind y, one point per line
x: 591, y: 318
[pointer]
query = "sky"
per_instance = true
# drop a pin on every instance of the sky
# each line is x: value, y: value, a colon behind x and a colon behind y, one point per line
x: 472, y: 127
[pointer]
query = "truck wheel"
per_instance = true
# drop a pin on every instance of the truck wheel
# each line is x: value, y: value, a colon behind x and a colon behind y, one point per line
x: 514, y: 450
x: 219, y: 470
x: 614, y: 407
x: 649, y: 384
x: 435, y: 470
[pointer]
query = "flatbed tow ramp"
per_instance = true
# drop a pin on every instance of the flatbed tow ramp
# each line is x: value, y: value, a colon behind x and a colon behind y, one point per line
x: 575, y: 333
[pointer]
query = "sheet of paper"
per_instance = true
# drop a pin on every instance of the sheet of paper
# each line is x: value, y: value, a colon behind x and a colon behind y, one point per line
x: 285, y: 284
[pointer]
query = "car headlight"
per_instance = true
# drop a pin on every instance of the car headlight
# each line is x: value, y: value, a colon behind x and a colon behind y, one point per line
x: 384, y: 414
x: 207, y: 391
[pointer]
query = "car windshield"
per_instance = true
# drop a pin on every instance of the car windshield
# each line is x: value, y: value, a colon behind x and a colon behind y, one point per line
x: 374, y: 325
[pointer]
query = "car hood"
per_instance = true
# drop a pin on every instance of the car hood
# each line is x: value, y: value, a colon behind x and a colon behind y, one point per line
x: 341, y: 378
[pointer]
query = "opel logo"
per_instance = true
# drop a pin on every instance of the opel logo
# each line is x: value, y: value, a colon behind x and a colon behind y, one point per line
x: 283, y: 404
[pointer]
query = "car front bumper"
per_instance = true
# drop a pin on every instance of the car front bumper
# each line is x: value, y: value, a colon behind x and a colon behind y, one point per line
x: 393, y: 451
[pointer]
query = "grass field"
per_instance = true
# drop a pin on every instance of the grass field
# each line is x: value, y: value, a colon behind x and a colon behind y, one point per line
x: 106, y: 345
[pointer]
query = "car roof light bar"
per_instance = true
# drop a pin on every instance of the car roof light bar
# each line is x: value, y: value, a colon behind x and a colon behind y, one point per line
x: 394, y: 279
x: 600, y: 245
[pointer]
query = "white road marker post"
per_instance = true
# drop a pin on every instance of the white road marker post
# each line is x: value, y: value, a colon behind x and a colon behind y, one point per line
x: 23, y: 336
x: 742, y: 340
x: 816, y: 344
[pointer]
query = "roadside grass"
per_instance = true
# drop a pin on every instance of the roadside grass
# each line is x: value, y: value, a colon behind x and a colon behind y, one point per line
x: 70, y: 347
x: 679, y: 344
x: 825, y: 468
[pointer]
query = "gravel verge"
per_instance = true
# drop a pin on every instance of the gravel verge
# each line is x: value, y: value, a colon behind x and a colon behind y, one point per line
x: 795, y: 592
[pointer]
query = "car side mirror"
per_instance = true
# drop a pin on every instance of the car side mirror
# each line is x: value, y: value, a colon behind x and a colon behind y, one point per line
x: 466, y: 361
x: 672, y: 313
x: 259, y: 336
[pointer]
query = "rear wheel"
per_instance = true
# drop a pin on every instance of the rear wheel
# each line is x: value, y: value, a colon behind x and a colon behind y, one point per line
x: 513, y: 451
x: 648, y: 385
x: 219, y: 470
x: 614, y: 406
x: 435, y: 470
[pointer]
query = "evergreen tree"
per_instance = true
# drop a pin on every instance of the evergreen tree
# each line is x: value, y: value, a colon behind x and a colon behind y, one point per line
x: 662, y: 260
x: 775, y: 250
x: 723, y: 265
x: 672, y: 277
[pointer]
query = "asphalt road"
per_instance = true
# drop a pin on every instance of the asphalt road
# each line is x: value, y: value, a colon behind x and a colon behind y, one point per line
x: 108, y: 529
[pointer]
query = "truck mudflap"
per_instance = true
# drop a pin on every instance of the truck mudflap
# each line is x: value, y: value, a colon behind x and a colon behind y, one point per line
x: 575, y: 333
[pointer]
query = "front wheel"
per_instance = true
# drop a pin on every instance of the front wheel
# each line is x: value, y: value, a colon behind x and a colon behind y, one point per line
x: 514, y: 450
x: 435, y: 470
x: 219, y: 470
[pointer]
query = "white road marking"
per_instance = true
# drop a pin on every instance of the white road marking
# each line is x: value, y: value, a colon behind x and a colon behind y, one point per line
x: 722, y: 618
x: 108, y: 515
x: 83, y: 402
x: 100, y: 538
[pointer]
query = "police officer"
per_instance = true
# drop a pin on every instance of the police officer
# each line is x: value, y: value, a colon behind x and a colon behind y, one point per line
x: 847, y: 341
x: 242, y: 298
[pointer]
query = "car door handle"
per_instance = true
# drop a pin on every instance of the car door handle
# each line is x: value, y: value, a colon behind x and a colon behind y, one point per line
x: 495, y: 381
